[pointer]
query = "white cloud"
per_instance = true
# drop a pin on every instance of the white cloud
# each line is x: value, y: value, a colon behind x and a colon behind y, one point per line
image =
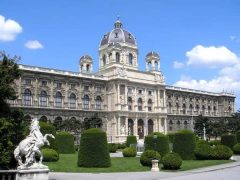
x: 178, y: 65
x: 211, y: 56
x: 33, y: 44
x: 9, y: 29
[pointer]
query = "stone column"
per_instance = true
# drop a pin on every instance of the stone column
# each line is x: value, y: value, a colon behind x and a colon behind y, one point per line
x: 135, y: 131
x: 165, y: 125
x: 126, y: 125
x: 118, y: 125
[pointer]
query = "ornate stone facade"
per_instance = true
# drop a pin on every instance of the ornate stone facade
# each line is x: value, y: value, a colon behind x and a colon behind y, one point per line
x: 127, y: 100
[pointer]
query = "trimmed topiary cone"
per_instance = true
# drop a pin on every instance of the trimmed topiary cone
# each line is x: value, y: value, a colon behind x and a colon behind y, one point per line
x: 184, y: 144
x: 94, y: 149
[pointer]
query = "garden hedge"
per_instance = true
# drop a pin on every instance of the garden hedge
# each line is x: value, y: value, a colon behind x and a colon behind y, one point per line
x: 184, y: 144
x: 47, y: 128
x: 50, y: 155
x: 65, y: 142
x: 203, y: 151
x: 171, y: 137
x: 93, y: 150
x: 129, y: 152
x: 131, y: 140
x: 112, y: 147
x: 236, y: 148
x: 147, y: 157
x: 229, y: 140
x: 238, y: 136
x: 172, y: 161
x: 221, y: 152
x: 160, y: 143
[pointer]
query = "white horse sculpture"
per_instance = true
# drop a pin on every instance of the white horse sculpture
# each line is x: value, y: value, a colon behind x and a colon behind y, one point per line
x: 30, y: 147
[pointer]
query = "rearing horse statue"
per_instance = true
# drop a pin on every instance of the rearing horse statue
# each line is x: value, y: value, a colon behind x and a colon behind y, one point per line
x: 30, y: 147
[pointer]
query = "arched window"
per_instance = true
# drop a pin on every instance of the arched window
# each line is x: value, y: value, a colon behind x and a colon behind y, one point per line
x: 184, y: 108
x: 140, y: 104
x: 170, y: 125
x: 149, y: 105
x: 178, y: 124
x: 27, y: 98
x: 156, y: 65
x: 104, y: 60
x: 98, y: 103
x: 169, y: 107
x: 86, y: 102
x: 149, y: 64
x: 185, y: 125
x: 72, y: 101
x: 43, y: 119
x: 130, y: 127
x: 130, y: 59
x: 43, y: 99
x: 177, y: 108
x: 117, y: 57
x: 191, y: 109
x: 58, y: 123
x: 58, y: 99
x: 88, y: 68
x: 150, y: 126
x: 129, y: 103
x: 140, y: 126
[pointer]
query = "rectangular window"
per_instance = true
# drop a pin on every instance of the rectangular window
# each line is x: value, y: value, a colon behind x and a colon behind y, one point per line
x: 44, y: 83
x: 28, y: 81
x: 86, y: 88
x: 149, y: 93
x: 73, y: 86
x: 98, y: 89
x: 59, y: 85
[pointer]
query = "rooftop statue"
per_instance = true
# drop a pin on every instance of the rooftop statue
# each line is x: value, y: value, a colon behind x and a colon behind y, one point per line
x: 29, y: 148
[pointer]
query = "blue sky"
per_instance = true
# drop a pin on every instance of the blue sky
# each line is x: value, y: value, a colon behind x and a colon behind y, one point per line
x: 198, y: 41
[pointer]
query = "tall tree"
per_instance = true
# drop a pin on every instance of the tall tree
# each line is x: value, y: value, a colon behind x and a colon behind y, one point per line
x: 9, y: 72
x: 93, y: 122
x: 11, y: 121
x: 200, y: 122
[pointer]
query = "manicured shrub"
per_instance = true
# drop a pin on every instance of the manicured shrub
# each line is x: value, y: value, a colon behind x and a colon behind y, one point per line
x: 238, y: 136
x: 47, y: 128
x: 65, y: 142
x: 172, y: 161
x: 112, y: 147
x: 171, y: 137
x: 50, y: 155
x: 147, y: 157
x: 229, y: 140
x: 159, y: 143
x: 215, y: 142
x: 184, y: 144
x: 236, y: 148
x: 131, y: 140
x: 93, y: 150
x: 129, y: 152
x: 121, y: 145
x: 221, y: 152
x: 203, y: 151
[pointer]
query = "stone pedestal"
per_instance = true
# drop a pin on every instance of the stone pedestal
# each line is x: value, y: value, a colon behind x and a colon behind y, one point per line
x: 33, y: 174
x: 155, y: 167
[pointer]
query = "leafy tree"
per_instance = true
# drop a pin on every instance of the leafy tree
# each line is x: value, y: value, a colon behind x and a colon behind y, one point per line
x: 11, y: 121
x: 93, y: 122
x: 9, y: 72
x: 71, y: 125
x: 199, y: 125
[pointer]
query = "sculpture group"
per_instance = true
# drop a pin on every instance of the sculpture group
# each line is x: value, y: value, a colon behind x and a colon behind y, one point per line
x: 29, y: 148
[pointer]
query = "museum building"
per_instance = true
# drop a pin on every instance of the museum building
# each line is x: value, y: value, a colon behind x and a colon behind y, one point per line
x: 128, y: 101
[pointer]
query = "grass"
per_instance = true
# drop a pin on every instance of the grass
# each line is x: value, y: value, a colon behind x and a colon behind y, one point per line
x: 68, y: 163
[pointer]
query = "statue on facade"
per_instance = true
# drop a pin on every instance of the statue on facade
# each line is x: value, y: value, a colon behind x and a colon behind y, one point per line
x: 29, y: 148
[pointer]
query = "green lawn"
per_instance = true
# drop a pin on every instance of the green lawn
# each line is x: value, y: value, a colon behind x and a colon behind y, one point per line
x: 68, y: 163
